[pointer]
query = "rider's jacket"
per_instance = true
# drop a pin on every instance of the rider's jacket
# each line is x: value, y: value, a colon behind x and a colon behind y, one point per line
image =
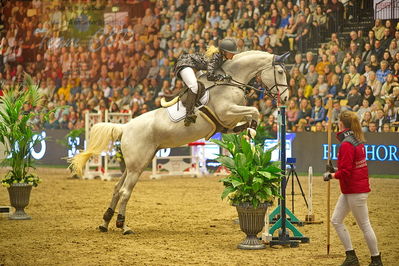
x: 201, y: 62
x: 352, y: 167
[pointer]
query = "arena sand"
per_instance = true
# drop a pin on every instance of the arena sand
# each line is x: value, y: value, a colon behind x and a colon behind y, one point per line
x: 177, y: 221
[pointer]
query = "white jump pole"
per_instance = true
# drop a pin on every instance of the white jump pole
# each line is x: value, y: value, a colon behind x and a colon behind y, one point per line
x: 266, y: 236
x: 310, y: 215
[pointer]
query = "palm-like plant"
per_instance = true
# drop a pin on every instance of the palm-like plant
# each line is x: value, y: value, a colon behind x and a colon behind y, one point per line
x: 16, y: 132
x: 254, y: 178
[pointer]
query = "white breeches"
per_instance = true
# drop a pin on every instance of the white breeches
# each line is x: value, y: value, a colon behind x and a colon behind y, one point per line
x: 188, y: 76
x: 357, y: 204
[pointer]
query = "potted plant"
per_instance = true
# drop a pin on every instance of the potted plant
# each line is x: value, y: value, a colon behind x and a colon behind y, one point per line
x: 71, y: 142
x: 252, y: 185
x: 18, y: 138
x: 119, y: 156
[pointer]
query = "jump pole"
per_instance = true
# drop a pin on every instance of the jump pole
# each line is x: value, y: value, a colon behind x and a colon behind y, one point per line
x: 329, y: 115
x: 282, y: 223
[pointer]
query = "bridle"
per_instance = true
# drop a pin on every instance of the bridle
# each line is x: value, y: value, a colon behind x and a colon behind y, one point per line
x: 268, y: 91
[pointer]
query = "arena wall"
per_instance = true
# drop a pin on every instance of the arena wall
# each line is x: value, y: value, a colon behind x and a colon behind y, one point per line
x: 309, y: 148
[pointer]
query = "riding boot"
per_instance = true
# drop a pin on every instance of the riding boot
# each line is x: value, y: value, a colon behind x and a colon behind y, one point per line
x: 351, y: 259
x: 376, y: 261
x: 190, y: 104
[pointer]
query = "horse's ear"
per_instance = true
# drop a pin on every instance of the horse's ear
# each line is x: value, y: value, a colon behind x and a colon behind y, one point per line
x: 282, y: 58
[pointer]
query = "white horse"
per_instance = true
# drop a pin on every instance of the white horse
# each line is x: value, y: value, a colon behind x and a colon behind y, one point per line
x: 143, y: 136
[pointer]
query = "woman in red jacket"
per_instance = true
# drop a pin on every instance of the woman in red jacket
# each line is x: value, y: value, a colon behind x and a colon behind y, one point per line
x: 352, y: 174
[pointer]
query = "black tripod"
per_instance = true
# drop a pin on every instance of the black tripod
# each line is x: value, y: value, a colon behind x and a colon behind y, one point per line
x: 292, y: 173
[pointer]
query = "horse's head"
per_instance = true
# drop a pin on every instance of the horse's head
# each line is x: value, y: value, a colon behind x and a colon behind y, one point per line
x: 274, y: 79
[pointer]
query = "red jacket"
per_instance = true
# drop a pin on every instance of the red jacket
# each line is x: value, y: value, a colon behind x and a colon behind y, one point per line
x: 352, y: 166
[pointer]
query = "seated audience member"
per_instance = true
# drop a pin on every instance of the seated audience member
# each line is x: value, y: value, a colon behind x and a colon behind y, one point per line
x: 374, y: 83
x: 365, y: 121
x: 345, y: 88
x: 368, y: 95
x: 372, y: 127
x: 292, y: 113
x: 318, y: 112
x: 52, y: 123
x: 311, y: 76
x: 365, y: 107
x: 318, y: 127
x: 305, y: 111
x: 362, y: 84
x: 386, y: 127
x: 380, y: 119
x: 387, y: 87
x: 390, y: 110
x: 383, y: 72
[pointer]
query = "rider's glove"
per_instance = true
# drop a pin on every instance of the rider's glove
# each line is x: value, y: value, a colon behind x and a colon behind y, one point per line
x: 330, y: 168
x: 327, y: 176
x: 227, y: 77
x: 220, y: 77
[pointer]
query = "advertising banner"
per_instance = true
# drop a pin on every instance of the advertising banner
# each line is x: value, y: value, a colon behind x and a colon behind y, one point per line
x: 309, y: 149
x: 382, y: 151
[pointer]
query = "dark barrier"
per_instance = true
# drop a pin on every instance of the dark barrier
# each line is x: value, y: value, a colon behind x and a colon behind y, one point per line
x: 382, y: 152
x: 51, y: 151
x: 310, y: 149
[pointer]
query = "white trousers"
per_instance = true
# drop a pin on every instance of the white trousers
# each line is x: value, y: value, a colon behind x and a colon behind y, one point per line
x: 188, y: 76
x: 357, y: 204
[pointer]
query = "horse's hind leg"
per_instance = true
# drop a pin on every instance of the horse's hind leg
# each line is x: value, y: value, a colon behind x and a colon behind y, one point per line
x: 111, y: 210
x: 125, y: 193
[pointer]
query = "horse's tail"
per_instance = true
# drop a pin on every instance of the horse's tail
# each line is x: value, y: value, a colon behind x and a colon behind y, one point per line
x: 102, y: 135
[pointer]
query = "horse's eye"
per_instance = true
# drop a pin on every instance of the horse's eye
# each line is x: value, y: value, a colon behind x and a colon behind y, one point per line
x: 280, y: 71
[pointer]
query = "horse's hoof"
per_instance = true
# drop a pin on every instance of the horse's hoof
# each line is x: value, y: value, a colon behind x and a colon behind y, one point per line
x: 128, y: 232
x: 103, y: 228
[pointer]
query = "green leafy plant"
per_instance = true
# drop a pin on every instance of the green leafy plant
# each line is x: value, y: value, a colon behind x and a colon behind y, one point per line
x: 70, y: 141
x: 16, y: 132
x: 254, y: 178
x: 261, y: 135
x: 118, y: 151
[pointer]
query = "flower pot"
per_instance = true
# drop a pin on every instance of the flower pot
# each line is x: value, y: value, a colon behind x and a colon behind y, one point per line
x: 252, y: 222
x: 19, y: 198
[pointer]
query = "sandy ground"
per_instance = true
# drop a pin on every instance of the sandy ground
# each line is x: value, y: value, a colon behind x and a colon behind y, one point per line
x: 177, y: 221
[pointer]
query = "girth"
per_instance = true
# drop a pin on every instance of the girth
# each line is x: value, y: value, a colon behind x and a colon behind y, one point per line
x: 218, y: 126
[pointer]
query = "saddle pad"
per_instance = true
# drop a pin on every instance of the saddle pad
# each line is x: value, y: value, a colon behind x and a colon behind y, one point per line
x: 177, y: 112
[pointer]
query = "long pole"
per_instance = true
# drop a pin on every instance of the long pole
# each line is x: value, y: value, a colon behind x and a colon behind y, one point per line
x: 329, y: 105
x: 283, y: 168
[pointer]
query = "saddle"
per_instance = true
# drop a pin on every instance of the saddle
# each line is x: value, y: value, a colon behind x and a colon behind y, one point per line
x: 175, y: 105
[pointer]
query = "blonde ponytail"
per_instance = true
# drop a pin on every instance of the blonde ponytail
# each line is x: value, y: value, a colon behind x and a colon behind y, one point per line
x: 211, y: 51
x: 351, y: 121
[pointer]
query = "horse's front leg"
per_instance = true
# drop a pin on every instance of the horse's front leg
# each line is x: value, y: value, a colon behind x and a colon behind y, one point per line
x: 249, y: 113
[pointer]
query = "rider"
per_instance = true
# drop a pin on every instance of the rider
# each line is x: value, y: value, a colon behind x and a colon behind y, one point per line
x: 188, y: 64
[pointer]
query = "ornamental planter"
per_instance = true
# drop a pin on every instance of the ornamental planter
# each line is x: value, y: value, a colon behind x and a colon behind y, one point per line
x: 252, y: 222
x: 19, y: 198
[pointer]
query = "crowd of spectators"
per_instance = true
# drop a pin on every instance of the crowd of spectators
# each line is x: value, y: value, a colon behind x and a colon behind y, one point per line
x: 129, y: 67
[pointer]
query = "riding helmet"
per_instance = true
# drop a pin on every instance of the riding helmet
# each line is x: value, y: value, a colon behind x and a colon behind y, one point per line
x: 228, y: 45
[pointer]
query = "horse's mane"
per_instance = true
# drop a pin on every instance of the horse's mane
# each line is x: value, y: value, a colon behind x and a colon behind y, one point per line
x: 249, y: 53
x: 252, y: 56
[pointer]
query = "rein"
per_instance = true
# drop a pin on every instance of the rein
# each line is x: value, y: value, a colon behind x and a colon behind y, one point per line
x: 268, y: 91
x: 236, y: 83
